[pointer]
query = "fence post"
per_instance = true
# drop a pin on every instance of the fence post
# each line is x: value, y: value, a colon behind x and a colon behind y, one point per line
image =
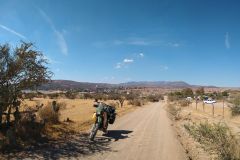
x: 203, y: 106
x: 196, y: 103
x: 223, y: 107
x: 213, y: 109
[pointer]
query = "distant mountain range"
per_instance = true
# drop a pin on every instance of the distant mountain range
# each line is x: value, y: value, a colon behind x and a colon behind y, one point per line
x: 164, y: 84
x: 68, y: 84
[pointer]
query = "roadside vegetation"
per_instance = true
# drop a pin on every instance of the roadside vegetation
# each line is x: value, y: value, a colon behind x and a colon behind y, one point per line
x: 20, y: 69
x: 216, y: 138
x: 174, y: 110
x: 235, y: 105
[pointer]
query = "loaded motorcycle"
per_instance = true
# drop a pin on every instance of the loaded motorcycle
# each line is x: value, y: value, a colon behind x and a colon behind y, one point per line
x: 99, y: 120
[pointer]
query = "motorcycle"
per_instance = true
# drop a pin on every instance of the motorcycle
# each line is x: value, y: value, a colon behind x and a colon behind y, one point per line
x: 98, y: 121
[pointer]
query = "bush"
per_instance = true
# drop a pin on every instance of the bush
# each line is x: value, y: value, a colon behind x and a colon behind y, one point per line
x: 30, y: 96
x: 3, y: 142
x: 154, y: 98
x: 62, y: 105
x: 132, y: 96
x: 53, y: 95
x: 174, y: 96
x: 216, y: 137
x: 100, y: 96
x: 135, y: 102
x: 187, y: 92
x: 87, y: 96
x: 48, y: 115
x: 71, y: 94
x: 235, y: 108
x: 113, y: 104
x: 184, y: 103
x: 174, y: 111
x: 27, y: 128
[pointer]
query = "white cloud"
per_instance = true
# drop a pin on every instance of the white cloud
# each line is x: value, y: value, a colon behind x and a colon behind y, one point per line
x: 117, y: 42
x: 176, y: 45
x: 124, y: 63
x: 136, y: 41
x: 13, y: 31
x: 227, y: 41
x: 118, y: 66
x: 173, y: 44
x: 128, y: 60
x: 164, y: 68
x: 139, y: 42
x: 60, y: 38
x: 141, y: 55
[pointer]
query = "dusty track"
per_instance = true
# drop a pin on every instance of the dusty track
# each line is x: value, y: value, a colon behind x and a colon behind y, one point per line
x: 144, y: 134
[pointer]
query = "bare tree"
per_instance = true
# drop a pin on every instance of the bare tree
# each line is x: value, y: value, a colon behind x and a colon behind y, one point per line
x: 121, y: 100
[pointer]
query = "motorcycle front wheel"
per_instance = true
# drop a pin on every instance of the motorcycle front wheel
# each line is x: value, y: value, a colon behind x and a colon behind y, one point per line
x: 93, y: 132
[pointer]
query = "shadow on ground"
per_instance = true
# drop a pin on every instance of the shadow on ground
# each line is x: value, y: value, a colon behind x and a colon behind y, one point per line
x: 75, y: 147
x: 118, y: 134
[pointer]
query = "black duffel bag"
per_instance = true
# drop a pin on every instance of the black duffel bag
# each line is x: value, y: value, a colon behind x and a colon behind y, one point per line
x: 111, y: 114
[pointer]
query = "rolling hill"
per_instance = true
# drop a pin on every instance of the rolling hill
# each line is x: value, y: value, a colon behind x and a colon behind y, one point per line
x: 68, y: 84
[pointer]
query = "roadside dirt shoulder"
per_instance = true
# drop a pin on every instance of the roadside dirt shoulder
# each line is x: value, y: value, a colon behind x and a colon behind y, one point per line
x: 193, y: 149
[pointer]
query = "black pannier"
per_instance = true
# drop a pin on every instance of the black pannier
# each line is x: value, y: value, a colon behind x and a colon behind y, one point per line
x: 111, y: 114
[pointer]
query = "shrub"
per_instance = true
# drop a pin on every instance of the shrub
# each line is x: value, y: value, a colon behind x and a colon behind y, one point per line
x: 30, y: 96
x: 174, y: 96
x: 88, y: 96
x: 174, y: 111
x: 53, y: 95
x: 71, y: 94
x: 235, y: 108
x: 27, y: 128
x: 135, y: 102
x: 154, y: 98
x: 187, y: 92
x: 62, y: 105
x: 215, y: 137
x: 184, y: 103
x: 132, y: 96
x: 48, y: 115
x: 113, y: 104
x: 3, y: 142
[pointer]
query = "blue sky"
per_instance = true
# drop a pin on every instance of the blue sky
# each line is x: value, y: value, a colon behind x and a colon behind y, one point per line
x: 130, y: 40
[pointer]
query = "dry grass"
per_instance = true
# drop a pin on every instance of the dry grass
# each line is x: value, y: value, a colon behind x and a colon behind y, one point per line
x: 48, y: 115
x: 216, y: 137
x: 174, y: 110
x: 227, y: 145
x: 78, y: 112
x: 220, y: 115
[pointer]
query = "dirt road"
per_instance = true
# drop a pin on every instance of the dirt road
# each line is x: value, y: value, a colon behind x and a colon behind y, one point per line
x: 143, y: 134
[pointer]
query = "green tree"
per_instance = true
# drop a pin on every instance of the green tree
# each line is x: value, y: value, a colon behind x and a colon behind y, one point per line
x: 200, y: 91
x: 187, y: 92
x: 20, y: 69
x: 225, y: 94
